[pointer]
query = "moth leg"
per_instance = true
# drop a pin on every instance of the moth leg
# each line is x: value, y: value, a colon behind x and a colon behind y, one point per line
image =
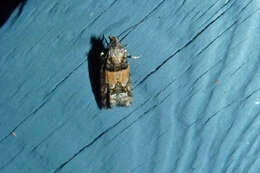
x: 133, y: 57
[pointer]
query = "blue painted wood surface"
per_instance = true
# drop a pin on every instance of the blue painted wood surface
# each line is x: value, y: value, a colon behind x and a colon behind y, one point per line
x: 196, y: 88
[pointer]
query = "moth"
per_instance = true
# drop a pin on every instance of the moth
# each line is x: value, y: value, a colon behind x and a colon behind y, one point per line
x: 115, y: 81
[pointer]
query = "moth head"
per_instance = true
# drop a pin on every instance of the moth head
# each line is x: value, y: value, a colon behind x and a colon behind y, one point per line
x: 117, y: 52
x: 114, y: 41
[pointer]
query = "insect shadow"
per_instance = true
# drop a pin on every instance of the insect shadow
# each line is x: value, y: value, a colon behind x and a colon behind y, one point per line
x: 94, y: 66
x: 7, y: 7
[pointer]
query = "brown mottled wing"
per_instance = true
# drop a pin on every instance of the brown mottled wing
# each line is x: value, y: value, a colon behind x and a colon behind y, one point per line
x: 115, y: 82
x: 119, y: 87
x: 129, y: 87
x: 103, y: 86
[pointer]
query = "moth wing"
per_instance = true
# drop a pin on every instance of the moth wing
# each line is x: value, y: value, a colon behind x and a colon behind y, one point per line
x: 103, y: 86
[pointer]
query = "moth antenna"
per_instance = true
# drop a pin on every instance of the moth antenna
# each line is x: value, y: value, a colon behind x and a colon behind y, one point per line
x: 120, y: 39
x: 104, y: 38
x: 118, y: 36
